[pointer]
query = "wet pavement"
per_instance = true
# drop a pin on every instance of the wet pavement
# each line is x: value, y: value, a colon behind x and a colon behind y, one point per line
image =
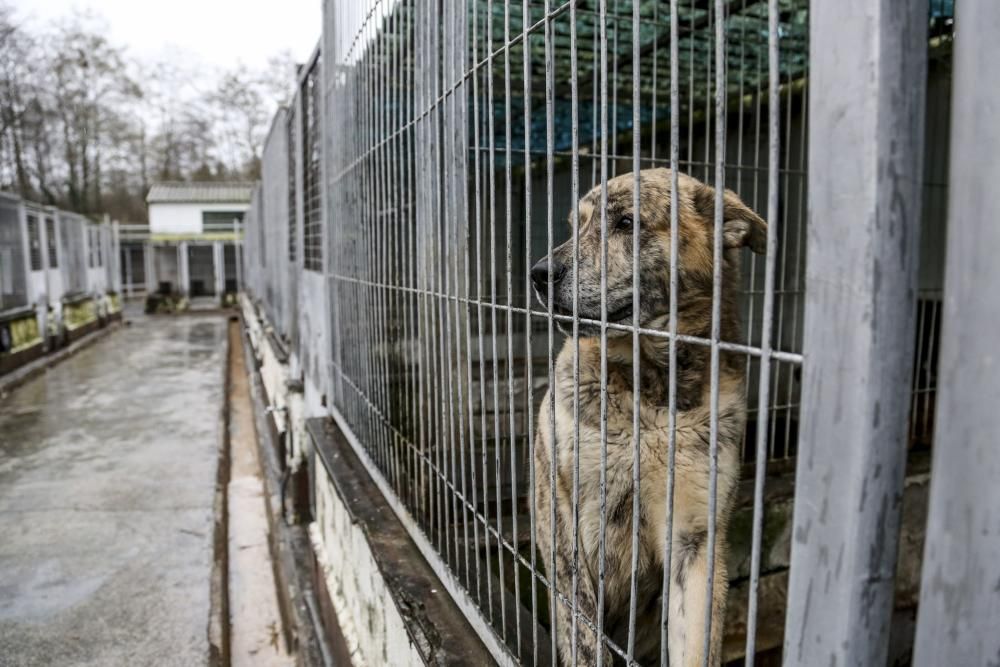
x: 107, y: 474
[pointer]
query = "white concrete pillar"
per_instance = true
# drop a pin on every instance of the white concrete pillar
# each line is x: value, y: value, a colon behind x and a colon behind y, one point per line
x: 149, y: 260
x: 218, y: 263
x: 183, y: 269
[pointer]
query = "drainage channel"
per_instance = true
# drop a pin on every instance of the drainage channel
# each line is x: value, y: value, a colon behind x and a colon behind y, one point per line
x: 254, y: 635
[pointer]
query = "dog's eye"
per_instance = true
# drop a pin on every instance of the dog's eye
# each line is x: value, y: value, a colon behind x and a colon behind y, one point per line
x: 624, y: 223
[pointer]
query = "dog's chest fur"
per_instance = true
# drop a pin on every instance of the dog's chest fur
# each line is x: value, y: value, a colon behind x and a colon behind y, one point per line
x: 691, y: 479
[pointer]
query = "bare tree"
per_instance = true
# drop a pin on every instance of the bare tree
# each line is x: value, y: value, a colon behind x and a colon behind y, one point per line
x: 86, y: 127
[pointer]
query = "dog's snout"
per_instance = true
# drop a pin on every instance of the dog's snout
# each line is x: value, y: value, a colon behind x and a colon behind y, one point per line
x: 540, y: 273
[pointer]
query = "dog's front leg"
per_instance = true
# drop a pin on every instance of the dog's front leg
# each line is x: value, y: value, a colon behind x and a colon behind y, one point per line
x: 585, y: 650
x: 689, y: 600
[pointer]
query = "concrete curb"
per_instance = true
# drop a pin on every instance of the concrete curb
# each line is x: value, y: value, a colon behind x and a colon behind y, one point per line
x: 291, y: 549
x: 17, y: 377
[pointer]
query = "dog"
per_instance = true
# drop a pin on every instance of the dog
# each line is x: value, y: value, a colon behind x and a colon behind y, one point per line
x: 688, y: 595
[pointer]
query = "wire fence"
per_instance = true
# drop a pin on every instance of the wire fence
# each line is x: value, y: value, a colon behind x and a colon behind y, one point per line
x: 565, y: 248
x: 447, y: 189
x: 47, y: 254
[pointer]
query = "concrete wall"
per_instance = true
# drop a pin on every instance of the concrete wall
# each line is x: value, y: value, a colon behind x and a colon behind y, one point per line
x: 372, y: 626
x: 366, y: 612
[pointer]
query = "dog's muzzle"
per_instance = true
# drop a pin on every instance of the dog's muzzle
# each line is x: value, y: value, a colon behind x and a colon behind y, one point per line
x: 541, y: 270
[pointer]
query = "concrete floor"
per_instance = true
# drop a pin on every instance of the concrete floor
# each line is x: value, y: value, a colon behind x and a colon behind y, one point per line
x: 107, y: 475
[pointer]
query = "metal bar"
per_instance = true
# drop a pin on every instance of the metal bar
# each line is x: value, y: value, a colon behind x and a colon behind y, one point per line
x: 672, y: 326
x: 529, y: 379
x: 958, y: 615
x: 783, y: 273
x: 713, y: 441
x: 767, y: 320
x: 445, y: 217
x: 869, y: 68
x: 636, y: 384
x: 778, y: 355
x: 508, y: 193
x: 441, y: 372
x: 549, y: 245
x: 461, y: 240
x: 493, y: 297
x: 480, y: 315
x: 467, y: 275
x: 419, y: 87
x: 603, y: 484
x: 575, y: 196
x: 378, y: 206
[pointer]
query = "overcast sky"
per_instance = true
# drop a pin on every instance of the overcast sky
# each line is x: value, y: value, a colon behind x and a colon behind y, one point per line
x: 215, y: 32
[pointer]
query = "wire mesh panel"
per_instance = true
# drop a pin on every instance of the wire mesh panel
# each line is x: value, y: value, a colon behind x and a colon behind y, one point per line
x: 536, y: 217
x: 312, y: 234
x: 253, y: 245
x: 276, y: 223
x: 567, y: 247
x: 13, y: 262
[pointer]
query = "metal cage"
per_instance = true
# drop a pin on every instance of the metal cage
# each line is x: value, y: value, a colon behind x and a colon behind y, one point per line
x: 457, y: 139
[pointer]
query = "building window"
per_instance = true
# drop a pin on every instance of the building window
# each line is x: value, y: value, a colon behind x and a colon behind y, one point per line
x: 34, y: 242
x: 220, y: 221
x: 94, y: 259
x: 312, y: 233
x: 50, y: 230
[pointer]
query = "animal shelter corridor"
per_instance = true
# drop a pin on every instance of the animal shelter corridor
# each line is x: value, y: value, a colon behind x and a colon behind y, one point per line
x: 580, y: 332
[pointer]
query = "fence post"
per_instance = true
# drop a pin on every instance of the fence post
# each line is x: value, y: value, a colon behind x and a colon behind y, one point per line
x: 149, y: 260
x: 959, y: 613
x: 183, y: 269
x: 868, y: 64
x: 115, y: 273
x: 238, y: 246
x: 219, y: 271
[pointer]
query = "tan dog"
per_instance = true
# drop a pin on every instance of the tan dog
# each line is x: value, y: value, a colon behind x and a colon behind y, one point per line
x: 689, y: 557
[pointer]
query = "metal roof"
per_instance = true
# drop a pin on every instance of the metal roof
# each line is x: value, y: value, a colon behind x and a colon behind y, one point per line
x: 228, y: 192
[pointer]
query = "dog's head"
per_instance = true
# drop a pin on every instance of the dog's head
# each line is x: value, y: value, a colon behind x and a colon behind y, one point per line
x: 696, y: 221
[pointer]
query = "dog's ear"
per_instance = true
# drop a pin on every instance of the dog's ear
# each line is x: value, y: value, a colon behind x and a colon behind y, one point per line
x: 740, y: 225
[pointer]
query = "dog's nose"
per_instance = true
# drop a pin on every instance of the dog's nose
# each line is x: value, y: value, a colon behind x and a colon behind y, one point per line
x: 540, y: 273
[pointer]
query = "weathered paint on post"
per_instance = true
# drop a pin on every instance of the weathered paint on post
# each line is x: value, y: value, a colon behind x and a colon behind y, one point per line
x: 959, y: 612
x: 867, y: 84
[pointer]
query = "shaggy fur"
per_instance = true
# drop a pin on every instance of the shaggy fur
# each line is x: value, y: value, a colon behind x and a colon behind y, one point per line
x: 689, y: 557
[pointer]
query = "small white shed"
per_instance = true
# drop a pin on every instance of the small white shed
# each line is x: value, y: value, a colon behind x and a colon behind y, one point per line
x: 194, y: 229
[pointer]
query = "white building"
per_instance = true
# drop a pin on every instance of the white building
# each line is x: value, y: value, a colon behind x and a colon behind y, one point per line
x: 193, y: 233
